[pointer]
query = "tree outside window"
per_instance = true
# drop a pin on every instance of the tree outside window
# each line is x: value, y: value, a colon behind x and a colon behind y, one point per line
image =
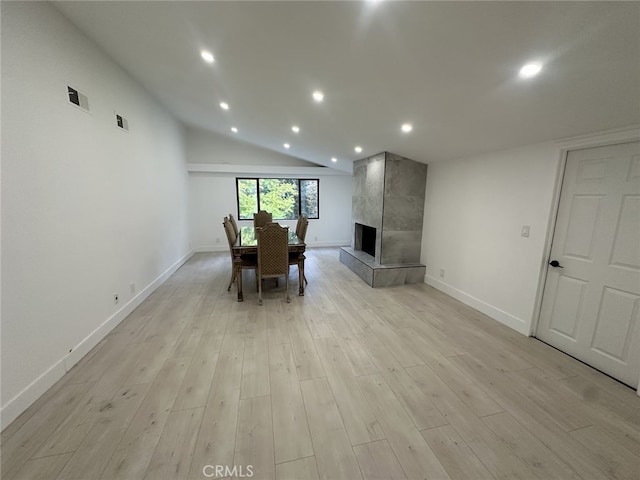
x: 284, y: 198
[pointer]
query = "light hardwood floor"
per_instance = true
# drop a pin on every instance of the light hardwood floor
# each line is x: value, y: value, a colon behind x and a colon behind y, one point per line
x: 347, y: 382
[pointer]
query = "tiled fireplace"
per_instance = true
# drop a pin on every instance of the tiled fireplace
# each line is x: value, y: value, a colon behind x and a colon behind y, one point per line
x: 387, y: 208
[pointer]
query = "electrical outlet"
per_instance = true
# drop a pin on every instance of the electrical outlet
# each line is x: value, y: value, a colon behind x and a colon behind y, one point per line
x: 442, y: 272
x: 315, y: 239
x: 132, y: 287
x: 116, y: 298
x: 525, y: 231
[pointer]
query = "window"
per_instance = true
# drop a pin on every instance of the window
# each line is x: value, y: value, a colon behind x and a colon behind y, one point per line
x: 284, y: 198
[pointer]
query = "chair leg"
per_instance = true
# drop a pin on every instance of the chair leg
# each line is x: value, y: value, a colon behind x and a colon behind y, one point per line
x: 259, y: 291
x: 305, y: 279
x: 233, y: 277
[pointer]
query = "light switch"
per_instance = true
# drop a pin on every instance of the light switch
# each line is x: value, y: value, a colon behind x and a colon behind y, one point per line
x: 525, y: 231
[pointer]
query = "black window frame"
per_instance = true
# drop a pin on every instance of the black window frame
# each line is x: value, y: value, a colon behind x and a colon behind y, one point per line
x: 257, y: 179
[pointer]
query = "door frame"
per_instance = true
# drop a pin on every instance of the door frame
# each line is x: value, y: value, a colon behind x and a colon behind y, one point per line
x: 611, y: 137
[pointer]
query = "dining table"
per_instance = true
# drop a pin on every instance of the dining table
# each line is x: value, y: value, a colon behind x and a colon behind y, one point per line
x: 247, y: 243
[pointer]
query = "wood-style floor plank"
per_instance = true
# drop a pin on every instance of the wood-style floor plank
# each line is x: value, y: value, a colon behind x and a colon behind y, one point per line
x: 345, y: 382
x: 334, y: 456
x: 214, y: 445
x: 415, y: 456
x: 302, y: 469
x: 619, y: 462
x: 25, y: 442
x: 93, y: 454
x: 254, y: 440
x: 292, y: 439
x: 173, y: 455
x: 378, y: 462
x: 146, y: 427
x: 454, y: 454
x: 43, y: 468
x: 540, y: 460
x: 255, y: 370
x: 359, y: 420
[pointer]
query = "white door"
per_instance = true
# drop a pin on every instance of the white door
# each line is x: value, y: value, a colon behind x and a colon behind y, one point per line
x: 591, y: 301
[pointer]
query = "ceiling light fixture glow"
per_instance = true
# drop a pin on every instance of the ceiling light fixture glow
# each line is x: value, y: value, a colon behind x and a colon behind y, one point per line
x: 224, y: 105
x: 207, y: 56
x: 530, y: 70
x: 358, y: 149
x: 234, y: 129
x: 406, y: 128
x: 286, y: 145
x: 334, y: 159
x: 295, y: 129
x: 318, y: 96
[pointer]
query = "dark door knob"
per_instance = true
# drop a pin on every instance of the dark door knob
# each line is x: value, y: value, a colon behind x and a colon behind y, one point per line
x: 555, y: 263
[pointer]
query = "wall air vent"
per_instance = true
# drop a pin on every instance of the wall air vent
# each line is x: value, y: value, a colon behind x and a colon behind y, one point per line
x: 122, y: 122
x: 78, y: 98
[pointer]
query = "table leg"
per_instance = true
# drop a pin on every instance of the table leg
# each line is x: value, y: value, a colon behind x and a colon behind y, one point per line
x: 301, y: 274
x: 237, y: 264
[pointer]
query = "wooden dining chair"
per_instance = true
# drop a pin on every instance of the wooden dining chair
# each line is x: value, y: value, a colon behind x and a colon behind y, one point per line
x: 249, y: 261
x: 234, y: 224
x: 273, y: 255
x: 261, y: 218
x: 301, y: 227
x: 301, y: 232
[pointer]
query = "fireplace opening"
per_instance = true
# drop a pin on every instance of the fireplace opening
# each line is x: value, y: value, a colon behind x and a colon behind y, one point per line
x: 365, y: 239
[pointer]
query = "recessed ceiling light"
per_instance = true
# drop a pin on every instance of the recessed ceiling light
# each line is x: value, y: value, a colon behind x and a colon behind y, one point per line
x: 224, y: 105
x: 334, y: 159
x: 530, y: 70
x: 295, y: 128
x: 358, y: 149
x: 406, y: 127
x: 286, y: 145
x: 207, y: 56
x: 234, y: 129
x: 318, y: 96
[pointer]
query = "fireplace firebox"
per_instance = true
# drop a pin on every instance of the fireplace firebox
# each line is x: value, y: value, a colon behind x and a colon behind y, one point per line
x: 365, y: 239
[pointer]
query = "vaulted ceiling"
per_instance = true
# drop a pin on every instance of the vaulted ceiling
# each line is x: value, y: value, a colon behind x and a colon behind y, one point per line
x: 450, y: 69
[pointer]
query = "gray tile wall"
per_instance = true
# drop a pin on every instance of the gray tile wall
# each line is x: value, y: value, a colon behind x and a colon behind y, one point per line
x: 368, y: 195
x: 403, y: 210
x: 388, y: 194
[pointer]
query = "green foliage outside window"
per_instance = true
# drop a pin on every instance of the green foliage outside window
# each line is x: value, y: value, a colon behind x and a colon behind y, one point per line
x: 247, y: 197
x: 284, y: 198
x: 309, y: 198
x: 280, y: 197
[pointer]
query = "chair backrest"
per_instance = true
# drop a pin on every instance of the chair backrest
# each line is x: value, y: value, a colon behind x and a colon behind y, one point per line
x: 301, y: 227
x: 231, y: 236
x: 261, y: 218
x: 234, y: 224
x: 273, y: 250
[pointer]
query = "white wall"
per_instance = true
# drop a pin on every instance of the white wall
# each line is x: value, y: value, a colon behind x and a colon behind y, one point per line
x: 209, y: 147
x: 212, y: 195
x: 86, y: 207
x: 474, y: 211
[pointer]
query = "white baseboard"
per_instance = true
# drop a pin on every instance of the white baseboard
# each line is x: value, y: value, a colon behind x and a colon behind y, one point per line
x: 212, y: 248
x: 330, y: 243
x: 40, y: 385
x: 219, y: 248
x: 519, y: 325
x: 33, y: 392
